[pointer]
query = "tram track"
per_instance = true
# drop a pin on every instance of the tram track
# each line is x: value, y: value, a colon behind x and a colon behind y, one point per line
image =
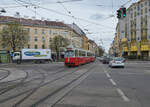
x: 12, y: 85
x: 34, y: 90
x: 5, y: 75
x: 22, y: 83
x: 60, y: 89
x: 29, y: 92
x: 55, y: 81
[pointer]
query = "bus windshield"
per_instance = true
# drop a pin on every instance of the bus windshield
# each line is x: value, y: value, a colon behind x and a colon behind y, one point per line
x: 69, y: 53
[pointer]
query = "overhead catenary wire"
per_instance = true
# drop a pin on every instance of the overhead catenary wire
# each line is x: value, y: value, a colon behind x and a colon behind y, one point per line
x: 28, y: 8
x: 60, y: 13
x: 126, y: 3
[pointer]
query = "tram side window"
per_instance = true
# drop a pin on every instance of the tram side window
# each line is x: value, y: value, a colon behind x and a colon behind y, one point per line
x: 80, y: 53
x: 83, y: 53
x: 76, y: 53
x: 89, y: 54
x: 69, y: 54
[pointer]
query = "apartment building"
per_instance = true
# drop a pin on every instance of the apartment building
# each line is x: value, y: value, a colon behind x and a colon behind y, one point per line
x: 134, y: 31
x: 42, y: 32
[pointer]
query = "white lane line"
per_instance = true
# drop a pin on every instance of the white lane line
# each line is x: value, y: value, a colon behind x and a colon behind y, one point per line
x: 113, y: 82
x: 107, y: 74
x: 124, y: 97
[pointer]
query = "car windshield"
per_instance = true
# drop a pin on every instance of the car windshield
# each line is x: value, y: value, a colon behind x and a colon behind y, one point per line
x: 118, y: 59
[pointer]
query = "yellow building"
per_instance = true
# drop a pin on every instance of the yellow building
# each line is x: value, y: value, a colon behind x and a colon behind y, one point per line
x: 84, y: 42
x: 42, y: 32
x: 92, y: 46
x: 136, y: 42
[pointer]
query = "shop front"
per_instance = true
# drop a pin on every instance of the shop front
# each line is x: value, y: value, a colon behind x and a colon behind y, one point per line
x: 4, y: 56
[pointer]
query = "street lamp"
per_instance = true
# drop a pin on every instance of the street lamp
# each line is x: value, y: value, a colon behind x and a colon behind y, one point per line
x: 3, y: 11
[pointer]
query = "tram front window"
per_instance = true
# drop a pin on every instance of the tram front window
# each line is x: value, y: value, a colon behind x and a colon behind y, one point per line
x: 69, y: 54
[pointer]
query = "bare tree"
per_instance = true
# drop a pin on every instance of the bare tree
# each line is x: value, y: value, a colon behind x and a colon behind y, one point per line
x: 13, y: 36
x: 57, y: 43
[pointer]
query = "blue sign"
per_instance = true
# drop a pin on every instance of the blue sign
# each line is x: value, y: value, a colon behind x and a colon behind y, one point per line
x: 29, y: 53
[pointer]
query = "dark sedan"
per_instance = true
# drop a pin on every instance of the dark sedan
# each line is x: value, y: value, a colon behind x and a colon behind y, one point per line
x: 106, y: 61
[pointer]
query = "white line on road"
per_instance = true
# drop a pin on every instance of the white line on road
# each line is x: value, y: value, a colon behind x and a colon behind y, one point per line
x: 120, y: 92
x: 113, y: 82
x: 124, y: 97
x: 107, y: 74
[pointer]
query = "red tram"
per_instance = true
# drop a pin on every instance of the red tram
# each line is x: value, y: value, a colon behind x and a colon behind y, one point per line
x: 76, y: 57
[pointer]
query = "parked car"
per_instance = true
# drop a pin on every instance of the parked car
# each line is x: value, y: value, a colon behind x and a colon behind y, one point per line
x: 117, y: 62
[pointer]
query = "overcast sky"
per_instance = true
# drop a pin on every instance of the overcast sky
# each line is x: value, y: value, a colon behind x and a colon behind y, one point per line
x: 93, y: 16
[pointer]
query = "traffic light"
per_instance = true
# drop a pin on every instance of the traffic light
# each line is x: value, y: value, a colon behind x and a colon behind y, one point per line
x: 119, y: 14
x: 124, y: 12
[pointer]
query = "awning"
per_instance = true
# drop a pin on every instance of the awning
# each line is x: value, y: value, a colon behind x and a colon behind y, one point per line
x: 125, y: 49
x: 133, y: 48
x: 144, y: 48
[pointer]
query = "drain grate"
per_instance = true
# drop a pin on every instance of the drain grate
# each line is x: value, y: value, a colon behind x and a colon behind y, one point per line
x: 69, y: 105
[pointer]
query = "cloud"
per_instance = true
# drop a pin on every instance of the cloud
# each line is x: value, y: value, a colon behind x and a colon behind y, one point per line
x: 96, y: 16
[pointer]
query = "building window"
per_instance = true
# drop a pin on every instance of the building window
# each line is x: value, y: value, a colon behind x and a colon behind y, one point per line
x: 35, y: 31
x: 64, y: 33
x: 43, y: 39
x: 28, y: 38
x: 50, y: 32
x: 35, y: 46
x: 43, y: 46
x: 141, y: 11
x: 141, y: 5
x: 28, y: 46
x: 146, y: 3
x: 149, y: 3
x: 55, y: 33
x: 35, y: 38
x: 131, y: 15
x: 135, y: 7
x: 3, y: 45
x: 28, y: 30
x: 3, y: 28
x: 138, y: 8
x: 50, y: 39
x: 145, y: 10
x: 43, y: 31
x: 134, y: 14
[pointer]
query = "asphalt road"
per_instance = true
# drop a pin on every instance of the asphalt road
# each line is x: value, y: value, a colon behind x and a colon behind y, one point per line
x: 90, y: 85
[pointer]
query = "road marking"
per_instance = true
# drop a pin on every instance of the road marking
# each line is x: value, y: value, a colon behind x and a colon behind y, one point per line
x: 147, y: 71
x: 107, y: 74
x: 121, y: 93
x: 113, y: 82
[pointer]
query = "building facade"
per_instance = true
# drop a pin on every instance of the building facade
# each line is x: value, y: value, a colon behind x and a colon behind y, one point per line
x: 134, y: 31
x: 41, y: 32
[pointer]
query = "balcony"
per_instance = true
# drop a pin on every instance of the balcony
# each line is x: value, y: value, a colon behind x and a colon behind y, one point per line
x: 144, y: 45
x: 144, y: 48
x: 125, y: 49
x: 133, y: 48
x: 124, y: 40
